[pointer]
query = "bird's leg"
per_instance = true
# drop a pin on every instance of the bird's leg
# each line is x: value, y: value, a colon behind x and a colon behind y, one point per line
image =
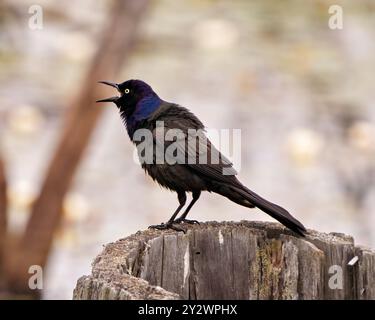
x: 182, y: 218
x: 169, y: 225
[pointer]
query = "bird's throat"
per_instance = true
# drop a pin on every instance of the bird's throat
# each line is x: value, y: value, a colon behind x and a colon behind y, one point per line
x: 142, y: 111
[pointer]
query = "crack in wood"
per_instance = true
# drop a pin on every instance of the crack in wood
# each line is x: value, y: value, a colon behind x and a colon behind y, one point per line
x: 244, y: 260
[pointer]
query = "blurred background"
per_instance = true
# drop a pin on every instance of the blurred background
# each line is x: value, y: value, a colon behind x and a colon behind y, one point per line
x: 302, y: 94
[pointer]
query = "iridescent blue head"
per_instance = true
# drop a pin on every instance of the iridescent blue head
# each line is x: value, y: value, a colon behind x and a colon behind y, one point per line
x: 136, y: 102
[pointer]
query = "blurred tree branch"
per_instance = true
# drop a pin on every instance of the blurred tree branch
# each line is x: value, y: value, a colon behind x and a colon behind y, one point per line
x: 82, y: 116
x: 3, y: 214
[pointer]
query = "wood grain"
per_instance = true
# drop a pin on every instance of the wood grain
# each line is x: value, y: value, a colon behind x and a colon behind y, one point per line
x: 244, y: 260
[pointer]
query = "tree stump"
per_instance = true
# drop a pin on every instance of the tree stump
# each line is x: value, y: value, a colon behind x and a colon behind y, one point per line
x: 228, y: 260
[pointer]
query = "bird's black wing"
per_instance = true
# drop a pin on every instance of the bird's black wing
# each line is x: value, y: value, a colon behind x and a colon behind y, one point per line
x: 191, y: 146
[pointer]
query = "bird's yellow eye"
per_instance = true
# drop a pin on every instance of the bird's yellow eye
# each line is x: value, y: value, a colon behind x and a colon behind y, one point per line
x: 126, y: 91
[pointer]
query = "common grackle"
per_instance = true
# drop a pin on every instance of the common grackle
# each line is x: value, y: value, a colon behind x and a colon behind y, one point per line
x: 141, y: 108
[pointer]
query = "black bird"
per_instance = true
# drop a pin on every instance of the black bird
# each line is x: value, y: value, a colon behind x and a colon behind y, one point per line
x: 141, y: 108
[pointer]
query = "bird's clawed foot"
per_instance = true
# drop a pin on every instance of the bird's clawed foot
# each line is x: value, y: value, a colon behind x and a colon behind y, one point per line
x: 165, y: 226
x: 181, y: 220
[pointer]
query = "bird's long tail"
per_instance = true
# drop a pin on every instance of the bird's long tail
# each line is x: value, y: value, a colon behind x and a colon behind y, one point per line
x: 244, y: 196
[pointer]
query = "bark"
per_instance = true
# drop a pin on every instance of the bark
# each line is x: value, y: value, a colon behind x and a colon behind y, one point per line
x: 245, y: 260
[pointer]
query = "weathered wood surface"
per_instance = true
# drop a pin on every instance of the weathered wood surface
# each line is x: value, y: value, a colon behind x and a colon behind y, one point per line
x: 245, y: 260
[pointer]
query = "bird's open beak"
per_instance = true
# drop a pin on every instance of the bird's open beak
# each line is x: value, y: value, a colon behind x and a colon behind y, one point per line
x: 111, y: 99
